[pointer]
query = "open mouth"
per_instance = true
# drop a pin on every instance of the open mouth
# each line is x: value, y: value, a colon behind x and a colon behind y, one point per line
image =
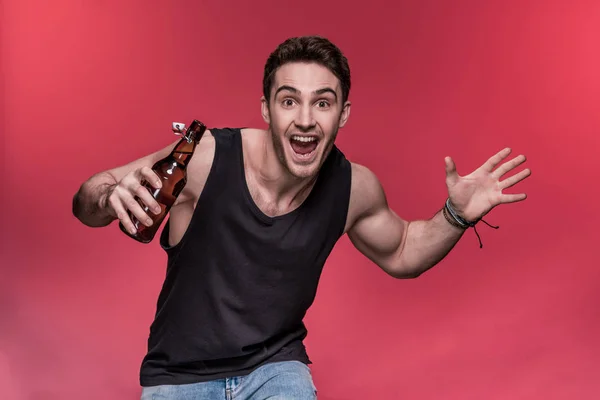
x: 304, y: 146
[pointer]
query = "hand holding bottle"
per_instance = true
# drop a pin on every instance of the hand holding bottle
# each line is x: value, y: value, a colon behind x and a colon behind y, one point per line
x: 121, y: 200
x: 141, y: 193
x: 146, y: 195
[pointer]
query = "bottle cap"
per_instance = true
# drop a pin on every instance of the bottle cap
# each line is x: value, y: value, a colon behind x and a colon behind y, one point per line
x: 178, y: 128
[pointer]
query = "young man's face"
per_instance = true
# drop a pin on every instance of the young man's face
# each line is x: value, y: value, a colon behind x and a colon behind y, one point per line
x: 304, y: 112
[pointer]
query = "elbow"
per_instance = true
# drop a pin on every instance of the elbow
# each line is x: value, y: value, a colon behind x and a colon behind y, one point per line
x: 78, y: 210
x: 404, y: 272
x: 411, y: 275
x: 399, y: 268
x: 84, y: 211
x: 76, y: 205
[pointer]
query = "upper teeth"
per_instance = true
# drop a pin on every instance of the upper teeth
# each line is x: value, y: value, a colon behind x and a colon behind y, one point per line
x: 304, y: 138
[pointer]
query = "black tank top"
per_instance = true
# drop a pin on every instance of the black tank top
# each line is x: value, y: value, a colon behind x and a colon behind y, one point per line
x: 239, y: 282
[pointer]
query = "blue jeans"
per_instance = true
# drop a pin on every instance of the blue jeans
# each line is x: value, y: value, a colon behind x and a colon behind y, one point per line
x: 286, y: 380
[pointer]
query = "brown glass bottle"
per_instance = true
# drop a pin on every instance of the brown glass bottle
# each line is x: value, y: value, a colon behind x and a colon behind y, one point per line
x: 172, y: 171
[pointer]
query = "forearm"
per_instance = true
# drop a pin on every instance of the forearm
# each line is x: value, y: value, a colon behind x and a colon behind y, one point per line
x: 426, y: 243
x: 89, y: 203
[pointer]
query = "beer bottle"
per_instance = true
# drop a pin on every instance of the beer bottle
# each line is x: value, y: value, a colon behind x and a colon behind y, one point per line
x: 172, y: 171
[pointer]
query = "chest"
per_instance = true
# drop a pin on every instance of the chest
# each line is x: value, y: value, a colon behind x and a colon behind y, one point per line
x: 272, y: 204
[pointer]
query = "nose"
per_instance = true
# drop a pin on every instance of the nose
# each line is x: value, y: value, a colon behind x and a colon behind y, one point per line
x: 304, y: 118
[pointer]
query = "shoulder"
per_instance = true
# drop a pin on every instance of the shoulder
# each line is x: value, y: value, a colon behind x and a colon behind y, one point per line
x: 252, y: 131
x: 226, y: 135
x: 205, y: 149
x: 253, y: 135
x: 205, y: 152
x: 366, y: 194
x: 366, y: 191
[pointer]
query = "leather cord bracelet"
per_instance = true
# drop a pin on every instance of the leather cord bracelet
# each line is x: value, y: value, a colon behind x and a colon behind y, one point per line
x: 451, y: 220
x: 456, y: 220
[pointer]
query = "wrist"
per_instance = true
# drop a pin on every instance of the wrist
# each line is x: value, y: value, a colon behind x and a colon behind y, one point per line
x: 456, y: 217
x: 450, y: 219
x: 456, y: 220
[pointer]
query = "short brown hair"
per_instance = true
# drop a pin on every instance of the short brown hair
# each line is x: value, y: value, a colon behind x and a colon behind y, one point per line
x: 308, y: 49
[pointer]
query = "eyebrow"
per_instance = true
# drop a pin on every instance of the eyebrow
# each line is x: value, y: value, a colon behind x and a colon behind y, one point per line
x: 296, y: 91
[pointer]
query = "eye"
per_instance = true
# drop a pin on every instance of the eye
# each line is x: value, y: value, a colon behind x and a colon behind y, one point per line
x: 322, y: 104
x: 287, y: 102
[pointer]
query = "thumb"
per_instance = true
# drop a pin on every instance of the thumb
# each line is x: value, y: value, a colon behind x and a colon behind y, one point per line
x: 451, y: 175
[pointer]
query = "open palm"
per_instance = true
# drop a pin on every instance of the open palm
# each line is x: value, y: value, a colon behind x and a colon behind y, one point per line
x: 474, y: 195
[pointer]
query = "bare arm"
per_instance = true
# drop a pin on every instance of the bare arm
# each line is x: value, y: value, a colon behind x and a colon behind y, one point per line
x: 90, y: 203
x: 407, y: 249
x: 403, y: 249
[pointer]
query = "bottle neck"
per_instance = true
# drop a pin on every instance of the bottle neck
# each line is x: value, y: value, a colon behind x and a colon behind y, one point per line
x: 184, y: 150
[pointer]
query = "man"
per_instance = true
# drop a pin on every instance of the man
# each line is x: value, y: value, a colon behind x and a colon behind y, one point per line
x: 249, y: 234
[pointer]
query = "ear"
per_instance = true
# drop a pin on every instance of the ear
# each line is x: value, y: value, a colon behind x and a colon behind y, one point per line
x: 345, y: 114
x: 265, y: 109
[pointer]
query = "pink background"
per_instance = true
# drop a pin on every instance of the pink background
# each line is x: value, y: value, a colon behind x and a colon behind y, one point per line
x: 88, y: 85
